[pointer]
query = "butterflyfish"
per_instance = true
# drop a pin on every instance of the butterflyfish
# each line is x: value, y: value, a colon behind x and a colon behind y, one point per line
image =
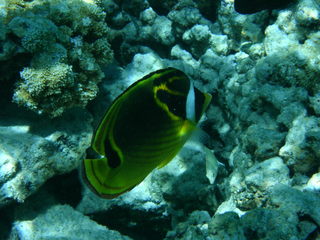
x: 143, y: 129
x: 253, y: 6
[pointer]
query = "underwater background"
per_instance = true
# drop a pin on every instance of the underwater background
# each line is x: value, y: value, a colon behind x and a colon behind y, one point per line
x: 63, y: 62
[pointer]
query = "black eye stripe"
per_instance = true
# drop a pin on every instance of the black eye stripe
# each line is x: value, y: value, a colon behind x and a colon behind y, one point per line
x: 111, y: 155
x: 180, y: 84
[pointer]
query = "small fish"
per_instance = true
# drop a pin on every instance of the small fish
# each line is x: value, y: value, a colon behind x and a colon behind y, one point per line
x: 253, y: 6
x: 144, y: 128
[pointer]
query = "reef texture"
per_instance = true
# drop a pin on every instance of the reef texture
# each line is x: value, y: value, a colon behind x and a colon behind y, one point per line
x: 34, y: 149
x: 58, y: 222
x: 58, y: 47
x: 263, y: 124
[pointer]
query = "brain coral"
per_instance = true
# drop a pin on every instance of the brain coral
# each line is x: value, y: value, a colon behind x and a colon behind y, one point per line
x: 63, y: 45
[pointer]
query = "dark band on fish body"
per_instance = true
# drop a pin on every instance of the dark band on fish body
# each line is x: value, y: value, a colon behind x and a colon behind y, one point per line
x: 174, y: 80
x: 177, y: 86
x: 161, y: 72
x: 176, y: 103
x: 165, y: 75
x: 147, y: 77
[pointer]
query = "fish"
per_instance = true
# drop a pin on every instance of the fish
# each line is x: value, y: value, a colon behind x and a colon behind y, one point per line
x: 143, y: 129
x: 253, y: 6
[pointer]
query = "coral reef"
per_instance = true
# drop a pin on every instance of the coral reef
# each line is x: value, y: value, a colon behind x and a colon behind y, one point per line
x: 263, y: 123
x: 61, y: 47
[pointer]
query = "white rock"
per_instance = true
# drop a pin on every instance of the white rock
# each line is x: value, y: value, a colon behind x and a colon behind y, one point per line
x: 313, y: 183
x: 62, y: 222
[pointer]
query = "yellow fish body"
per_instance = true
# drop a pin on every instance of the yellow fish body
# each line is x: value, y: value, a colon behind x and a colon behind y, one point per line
x: 144, y: 128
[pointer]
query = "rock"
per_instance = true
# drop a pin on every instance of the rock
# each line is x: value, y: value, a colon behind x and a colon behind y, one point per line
x: 305, y: 205
x: 268, y: 173
x: 196, y: 227
x: 197, y: 38
x: 301, y: 149
x: 226, y: 226
x: 250, y: 190
x: 34, y: 149
x: 63, y: 222
x: 292, y: 215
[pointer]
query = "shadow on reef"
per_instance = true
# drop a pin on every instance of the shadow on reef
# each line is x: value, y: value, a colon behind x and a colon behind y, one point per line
x: 66, y: 188
x: 61, y: 189
x: 141, y: 225
x: 5, y: 221
x: 207, y: 8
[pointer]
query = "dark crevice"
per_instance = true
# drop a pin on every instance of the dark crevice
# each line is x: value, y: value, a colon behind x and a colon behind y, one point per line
x: 162, y: 50
x: 291, y: 171
x: 61, y: 189
x: 6, y: 219
x: 162, y: 8
x: 282, y: 128
x: 306, y: 217
x: 310, y: 110
x: 65, y: 188
x: 135, y: 224
x: 251, y: 234
x: 314, y: 235
x: 129, y: 50
x: 116, y: 47
x: 261, y: 105
x: 209, y: 9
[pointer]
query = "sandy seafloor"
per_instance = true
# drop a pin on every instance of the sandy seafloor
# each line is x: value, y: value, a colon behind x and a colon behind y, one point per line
x: 63, y: 62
